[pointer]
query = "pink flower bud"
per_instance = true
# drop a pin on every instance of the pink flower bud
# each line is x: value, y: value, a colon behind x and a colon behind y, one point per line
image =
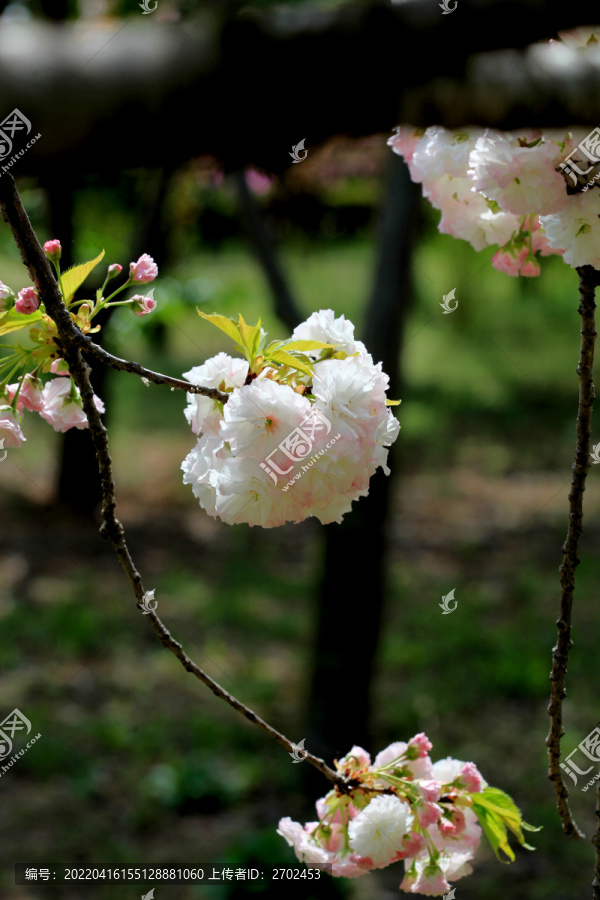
x: 421, y: 744
x: 113, y: 270
x: 27, y: 301
x: 530, y: 269
x: 428, y: 813
x: 446, y: 827
x: 144, y: 270
x: 413, y: 843
x: 453, y: 826
x: 143, y: 305
x: 471, y: 778
x: 430, y: 790
x: 30, y: 395
x: 53, y: 249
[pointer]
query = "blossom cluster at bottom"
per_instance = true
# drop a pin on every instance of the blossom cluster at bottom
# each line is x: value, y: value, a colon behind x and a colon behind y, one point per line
x: 404, y: 807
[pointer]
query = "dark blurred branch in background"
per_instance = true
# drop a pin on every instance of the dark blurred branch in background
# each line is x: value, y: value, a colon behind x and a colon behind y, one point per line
x: 153, y: 94
x: 284, y: 305
x: 353, y: 587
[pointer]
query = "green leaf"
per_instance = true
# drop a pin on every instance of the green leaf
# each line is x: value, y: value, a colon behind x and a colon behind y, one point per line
x: 495, y: 831
x: 497, y: 805
x: 302, y: 364
x: 225, y: 324
x: 12, y: 320
x: 76, y: 275
x: 250, y: 335
x: 306, y: 346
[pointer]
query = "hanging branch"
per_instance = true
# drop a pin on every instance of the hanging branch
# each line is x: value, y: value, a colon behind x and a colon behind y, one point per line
x: 589, y: 279
x: 70, y: 343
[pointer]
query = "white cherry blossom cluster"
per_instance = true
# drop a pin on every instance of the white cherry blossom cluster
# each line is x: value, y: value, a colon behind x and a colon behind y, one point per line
x: 290, y: 442
x: 530, y: 193
x: 402, y: 807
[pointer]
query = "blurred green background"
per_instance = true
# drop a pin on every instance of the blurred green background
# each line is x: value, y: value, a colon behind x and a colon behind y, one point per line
x: 140, y: 763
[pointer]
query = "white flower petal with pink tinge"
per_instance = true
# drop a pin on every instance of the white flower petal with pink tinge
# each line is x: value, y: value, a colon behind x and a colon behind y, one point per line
x: 62, y: 412
x: 522, y: 180
x: 377, y: 832
x: 11, y: 434
x: 576, y: 229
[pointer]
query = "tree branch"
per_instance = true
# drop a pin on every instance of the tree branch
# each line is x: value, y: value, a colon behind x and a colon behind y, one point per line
x: 589, y: 279
x: 87, y: 346
x: 38, y: 266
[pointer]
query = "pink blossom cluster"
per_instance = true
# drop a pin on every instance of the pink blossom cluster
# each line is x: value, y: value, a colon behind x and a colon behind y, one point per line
x: 333, y: 428
x: 58, y: 402
x: 405, y: 808
x: 519, y: 191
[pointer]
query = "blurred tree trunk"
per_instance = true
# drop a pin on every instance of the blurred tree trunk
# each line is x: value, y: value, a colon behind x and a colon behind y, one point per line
x: 350, y: 600
x: 79, y: 488
x: 257, y: 232
x: 78, y: 479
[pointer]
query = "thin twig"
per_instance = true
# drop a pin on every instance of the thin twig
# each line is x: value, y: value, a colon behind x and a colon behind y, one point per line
x: 38, y: 266
x: 589, y: 279
x: 125, y: 365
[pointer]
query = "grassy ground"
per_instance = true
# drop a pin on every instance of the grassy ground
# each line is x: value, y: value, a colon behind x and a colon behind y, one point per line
x: 137, y: 762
